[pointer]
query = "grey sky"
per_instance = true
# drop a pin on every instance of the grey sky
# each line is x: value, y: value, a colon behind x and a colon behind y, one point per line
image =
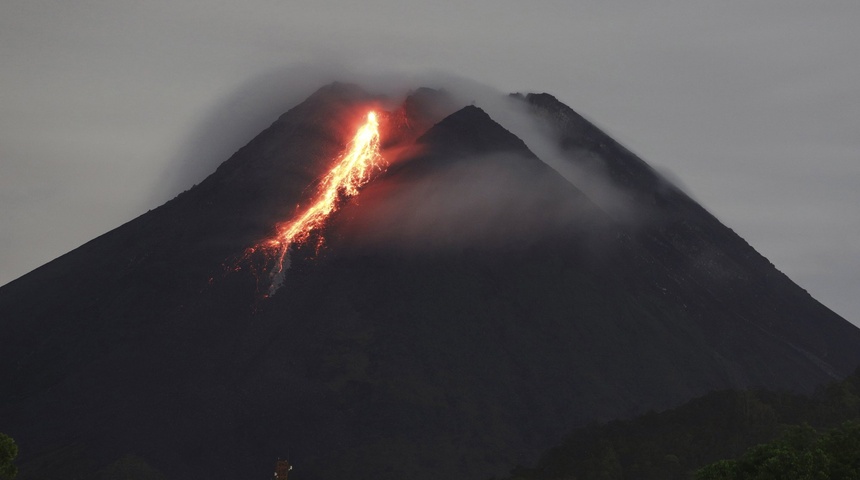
x: 108, y: 108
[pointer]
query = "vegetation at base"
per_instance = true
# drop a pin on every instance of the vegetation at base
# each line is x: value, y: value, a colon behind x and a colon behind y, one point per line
x: 8, y: 452
x: 802, y: 453
x: 722, y: 425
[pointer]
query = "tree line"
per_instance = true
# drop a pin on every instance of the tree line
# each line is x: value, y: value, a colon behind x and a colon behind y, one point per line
x: 725, y: 435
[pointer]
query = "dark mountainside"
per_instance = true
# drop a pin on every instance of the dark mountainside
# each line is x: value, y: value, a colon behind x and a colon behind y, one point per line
x: 468, y: 308
x: 706, y: 256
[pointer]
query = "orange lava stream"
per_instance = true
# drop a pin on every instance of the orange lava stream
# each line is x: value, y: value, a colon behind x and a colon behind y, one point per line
x: 353, y: 170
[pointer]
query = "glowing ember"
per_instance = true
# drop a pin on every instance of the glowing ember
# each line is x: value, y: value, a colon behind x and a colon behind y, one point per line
x: 354, y: 169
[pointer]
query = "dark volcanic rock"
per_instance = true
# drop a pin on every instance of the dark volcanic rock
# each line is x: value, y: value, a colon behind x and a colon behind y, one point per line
x: 751, y: 293
x: 466, y: 310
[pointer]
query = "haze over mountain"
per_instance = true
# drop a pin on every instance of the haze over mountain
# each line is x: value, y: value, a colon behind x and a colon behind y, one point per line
x: 490, y: 290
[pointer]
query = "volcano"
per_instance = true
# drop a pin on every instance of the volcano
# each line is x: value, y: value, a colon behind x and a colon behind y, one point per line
x: 461, y: 313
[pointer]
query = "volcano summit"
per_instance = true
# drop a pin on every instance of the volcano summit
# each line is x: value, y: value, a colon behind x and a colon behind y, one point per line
x: 473, y: 301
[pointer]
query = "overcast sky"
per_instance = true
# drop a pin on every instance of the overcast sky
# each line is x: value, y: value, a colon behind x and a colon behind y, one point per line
x: 110, y: 107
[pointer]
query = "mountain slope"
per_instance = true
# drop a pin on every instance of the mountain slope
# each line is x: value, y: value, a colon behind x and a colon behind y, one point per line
x: 468, y: 308
x: 701, y: 250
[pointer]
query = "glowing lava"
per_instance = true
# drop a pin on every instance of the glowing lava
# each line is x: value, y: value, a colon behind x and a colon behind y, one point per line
x: 354, y: 168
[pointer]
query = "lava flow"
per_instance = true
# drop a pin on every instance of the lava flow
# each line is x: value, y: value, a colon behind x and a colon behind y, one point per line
x: 360, y: 159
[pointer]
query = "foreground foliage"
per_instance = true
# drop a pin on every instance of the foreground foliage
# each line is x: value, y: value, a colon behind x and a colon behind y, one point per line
x: 722, y: 425
x: 8, y: 452
x: 801, y: 454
